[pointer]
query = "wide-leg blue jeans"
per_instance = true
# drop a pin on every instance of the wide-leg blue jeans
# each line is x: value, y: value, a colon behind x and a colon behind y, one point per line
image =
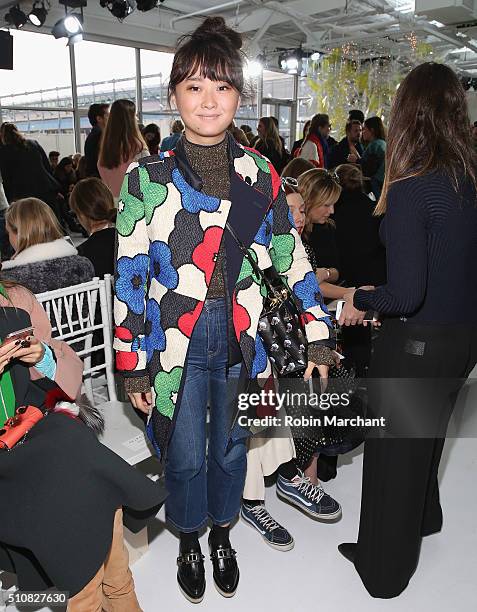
x: 205, y: 480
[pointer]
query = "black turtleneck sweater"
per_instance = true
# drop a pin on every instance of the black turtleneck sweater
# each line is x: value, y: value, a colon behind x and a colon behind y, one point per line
x: 430, y: 231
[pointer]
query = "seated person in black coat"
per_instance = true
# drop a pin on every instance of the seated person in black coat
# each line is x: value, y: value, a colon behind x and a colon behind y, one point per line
x: 362, y: 256
x: 93, y: 204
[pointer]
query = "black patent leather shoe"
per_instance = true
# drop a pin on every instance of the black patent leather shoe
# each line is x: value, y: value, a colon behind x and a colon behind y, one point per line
x: 348, y: 550
x: 191, y: 574
x: 226, y: 571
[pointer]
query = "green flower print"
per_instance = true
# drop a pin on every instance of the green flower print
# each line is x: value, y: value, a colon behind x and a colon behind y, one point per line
x: 246, y: 269
x: 281, y: 251
x: 167, y: 386
x: 130, y: 211
x: 261, y: 163
x: 154, y: 194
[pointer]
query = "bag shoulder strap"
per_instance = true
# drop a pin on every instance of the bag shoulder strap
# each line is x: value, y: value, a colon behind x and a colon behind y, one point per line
x: 258, y: 272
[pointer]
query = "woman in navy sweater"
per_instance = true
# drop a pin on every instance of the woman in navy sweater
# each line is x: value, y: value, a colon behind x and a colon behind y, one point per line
x: 428, y: 343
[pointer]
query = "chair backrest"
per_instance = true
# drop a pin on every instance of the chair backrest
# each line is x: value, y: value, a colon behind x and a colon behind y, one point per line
x: 79, y: 315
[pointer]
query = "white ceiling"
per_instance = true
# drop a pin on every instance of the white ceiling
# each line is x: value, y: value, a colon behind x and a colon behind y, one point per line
x: 371, y: 27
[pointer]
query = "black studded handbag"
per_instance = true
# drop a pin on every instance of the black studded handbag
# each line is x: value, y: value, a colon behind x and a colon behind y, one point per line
x: 280, y: 325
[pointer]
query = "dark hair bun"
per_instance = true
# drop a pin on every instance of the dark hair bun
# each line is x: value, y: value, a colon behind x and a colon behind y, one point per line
x: 215, y: 27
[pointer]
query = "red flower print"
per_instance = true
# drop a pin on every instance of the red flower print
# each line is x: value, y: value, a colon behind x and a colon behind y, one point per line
x: 188, y: 320
x: 126, y: 361
x: 307, y: 317
x: 276, y: 181
x: 205, y: 253
x: 240, y: 317
x: 123, y: 334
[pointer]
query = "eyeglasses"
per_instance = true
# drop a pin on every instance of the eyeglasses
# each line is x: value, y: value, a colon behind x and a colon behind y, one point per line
x: 290, y: 182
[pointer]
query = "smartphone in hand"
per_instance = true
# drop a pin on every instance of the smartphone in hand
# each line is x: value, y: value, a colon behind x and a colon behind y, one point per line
x: 19, y: 334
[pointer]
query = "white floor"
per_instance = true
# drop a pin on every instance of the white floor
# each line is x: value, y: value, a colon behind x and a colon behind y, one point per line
x: 313, y: 576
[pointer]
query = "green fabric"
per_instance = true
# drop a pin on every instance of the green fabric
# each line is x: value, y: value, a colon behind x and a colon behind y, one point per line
x: 7, y: 398
x: 7, y: 393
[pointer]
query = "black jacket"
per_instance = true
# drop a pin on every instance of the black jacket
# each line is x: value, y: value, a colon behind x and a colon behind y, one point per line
x: 339, y: 153
x: 91, y: 151
x: 362, y: 256
x: 26, y: 172
x: 99, y: 249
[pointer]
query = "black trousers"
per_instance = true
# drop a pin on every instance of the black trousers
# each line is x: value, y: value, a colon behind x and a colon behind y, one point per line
x: 415, y: 375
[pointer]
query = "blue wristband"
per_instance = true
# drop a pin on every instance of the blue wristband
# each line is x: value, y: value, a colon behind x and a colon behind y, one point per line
x: 47, y: 365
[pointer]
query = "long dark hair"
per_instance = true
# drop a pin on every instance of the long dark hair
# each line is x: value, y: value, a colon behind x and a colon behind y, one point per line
x: 10, y: 135
x: 429, y: 129
x: 271, y: 136
x: 213, y: 50
x: 317, y: 121
x: 376, y: 124
x: 122, y: 138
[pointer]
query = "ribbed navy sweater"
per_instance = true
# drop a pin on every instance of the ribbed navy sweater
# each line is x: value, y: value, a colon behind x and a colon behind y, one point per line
x: 430, y: 233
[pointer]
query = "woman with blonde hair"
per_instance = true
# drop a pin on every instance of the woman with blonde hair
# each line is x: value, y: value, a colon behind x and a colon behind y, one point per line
x: 121, y: 144
x: 37, y: 237
x: 93, y: 204
x: 321, y: 190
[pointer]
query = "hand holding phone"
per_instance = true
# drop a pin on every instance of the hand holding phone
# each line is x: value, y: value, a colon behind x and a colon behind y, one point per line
x: 19, y: 334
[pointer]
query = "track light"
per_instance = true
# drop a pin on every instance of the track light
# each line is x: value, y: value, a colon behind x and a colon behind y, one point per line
x: 70, y: 27
x: 16, y: 17
x: 118, y: 8
x: 292, y: 61
x: 38, y: 14
x: 146, y: 5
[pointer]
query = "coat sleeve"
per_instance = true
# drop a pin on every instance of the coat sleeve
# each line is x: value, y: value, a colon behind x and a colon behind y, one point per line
x: 69, y: 367
x: 131, y: 277
x: 291, y: 262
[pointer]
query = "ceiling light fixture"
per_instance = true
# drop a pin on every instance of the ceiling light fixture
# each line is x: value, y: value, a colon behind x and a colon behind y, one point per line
x: 37, y: 15
x: 16, y: 17
x: 118, y: 8
x: 146, y: 5
x: 71, y: 25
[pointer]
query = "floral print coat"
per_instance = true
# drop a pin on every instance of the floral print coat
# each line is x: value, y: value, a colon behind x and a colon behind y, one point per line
x: 169, y: 233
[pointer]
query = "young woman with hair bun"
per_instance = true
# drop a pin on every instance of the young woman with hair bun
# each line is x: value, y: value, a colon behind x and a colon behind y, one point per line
x: 187, y: 303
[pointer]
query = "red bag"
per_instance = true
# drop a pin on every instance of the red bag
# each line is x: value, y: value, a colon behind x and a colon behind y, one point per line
x: 19, y: 425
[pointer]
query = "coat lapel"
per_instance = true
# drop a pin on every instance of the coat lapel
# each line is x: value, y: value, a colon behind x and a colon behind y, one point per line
x: 248, y: 209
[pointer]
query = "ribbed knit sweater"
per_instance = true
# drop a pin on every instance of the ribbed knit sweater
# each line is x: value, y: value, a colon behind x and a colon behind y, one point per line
x: 430, y: 232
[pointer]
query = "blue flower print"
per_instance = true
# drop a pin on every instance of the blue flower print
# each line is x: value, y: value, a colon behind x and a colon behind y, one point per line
x: 155, y: 339
x: 307, y: 291
x: 131, y: 282
x: 193, y: 201
x: 260, y: 360
x: 264, y: 234
x: 161, y: 266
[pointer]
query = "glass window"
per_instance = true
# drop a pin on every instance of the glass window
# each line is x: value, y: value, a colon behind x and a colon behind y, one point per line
x: 41, y: 74
x: 155, y: 70
x: 52, y: 129
x: 277, y: 85
x: 307, y: 104
x: 112, y: 78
